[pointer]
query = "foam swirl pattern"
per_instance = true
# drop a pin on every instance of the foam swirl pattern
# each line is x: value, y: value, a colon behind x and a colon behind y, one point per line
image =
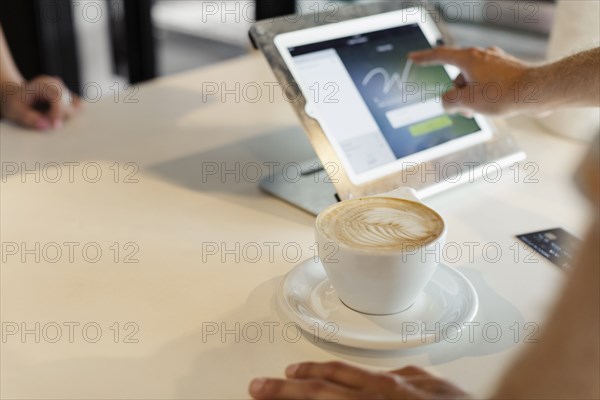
x: 381, y: 224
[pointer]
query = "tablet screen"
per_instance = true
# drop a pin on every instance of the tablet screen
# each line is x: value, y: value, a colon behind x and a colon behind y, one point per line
x: 375, y: 106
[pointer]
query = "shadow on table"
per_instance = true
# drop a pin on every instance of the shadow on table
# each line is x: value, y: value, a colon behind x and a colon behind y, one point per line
x: 105, y: 131
x: 234, y: 170
x: 498, y: 326
x: 213, y: 366
x: 240, y: 359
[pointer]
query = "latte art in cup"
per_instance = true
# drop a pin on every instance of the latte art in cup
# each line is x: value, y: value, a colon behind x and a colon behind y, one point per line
x: 380, y: 224
x: 380, y: 252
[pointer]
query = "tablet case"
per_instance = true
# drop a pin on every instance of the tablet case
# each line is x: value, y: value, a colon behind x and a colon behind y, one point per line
x: 500, y: 149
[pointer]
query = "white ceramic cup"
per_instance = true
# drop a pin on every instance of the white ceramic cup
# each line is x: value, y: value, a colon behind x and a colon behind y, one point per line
x: 383, y: 282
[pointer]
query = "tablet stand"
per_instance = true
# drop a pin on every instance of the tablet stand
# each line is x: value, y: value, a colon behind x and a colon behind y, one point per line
x: 311, y: 190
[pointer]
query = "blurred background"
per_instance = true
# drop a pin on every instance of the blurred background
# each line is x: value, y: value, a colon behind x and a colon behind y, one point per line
x: 103, y: 42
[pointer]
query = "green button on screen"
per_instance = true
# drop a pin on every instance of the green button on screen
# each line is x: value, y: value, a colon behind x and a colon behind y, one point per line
x: 431, y: 125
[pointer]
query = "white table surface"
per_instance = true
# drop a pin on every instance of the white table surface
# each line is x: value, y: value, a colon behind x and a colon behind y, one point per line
x: 172, y: 296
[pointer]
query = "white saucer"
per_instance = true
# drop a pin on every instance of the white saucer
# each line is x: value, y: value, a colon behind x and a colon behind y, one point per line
x: 307, y: 298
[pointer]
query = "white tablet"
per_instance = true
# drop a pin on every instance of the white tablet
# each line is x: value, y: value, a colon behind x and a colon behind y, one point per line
x: 377, y: 109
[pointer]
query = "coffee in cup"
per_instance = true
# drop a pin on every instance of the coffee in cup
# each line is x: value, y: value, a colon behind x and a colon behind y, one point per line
x: 381, y: 224
x: 379, y: 252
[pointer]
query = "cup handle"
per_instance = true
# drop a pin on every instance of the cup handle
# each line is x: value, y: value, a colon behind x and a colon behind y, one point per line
x: 406, y: 193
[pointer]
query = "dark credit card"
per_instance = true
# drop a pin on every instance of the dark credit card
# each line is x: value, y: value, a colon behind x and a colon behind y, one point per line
x: 557, y: 245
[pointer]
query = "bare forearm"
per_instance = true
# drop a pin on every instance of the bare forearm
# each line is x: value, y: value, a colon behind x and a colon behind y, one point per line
x: 565, y: 362
x: 18, y: 97
x: 9, y: 73
x: 573, y: 81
